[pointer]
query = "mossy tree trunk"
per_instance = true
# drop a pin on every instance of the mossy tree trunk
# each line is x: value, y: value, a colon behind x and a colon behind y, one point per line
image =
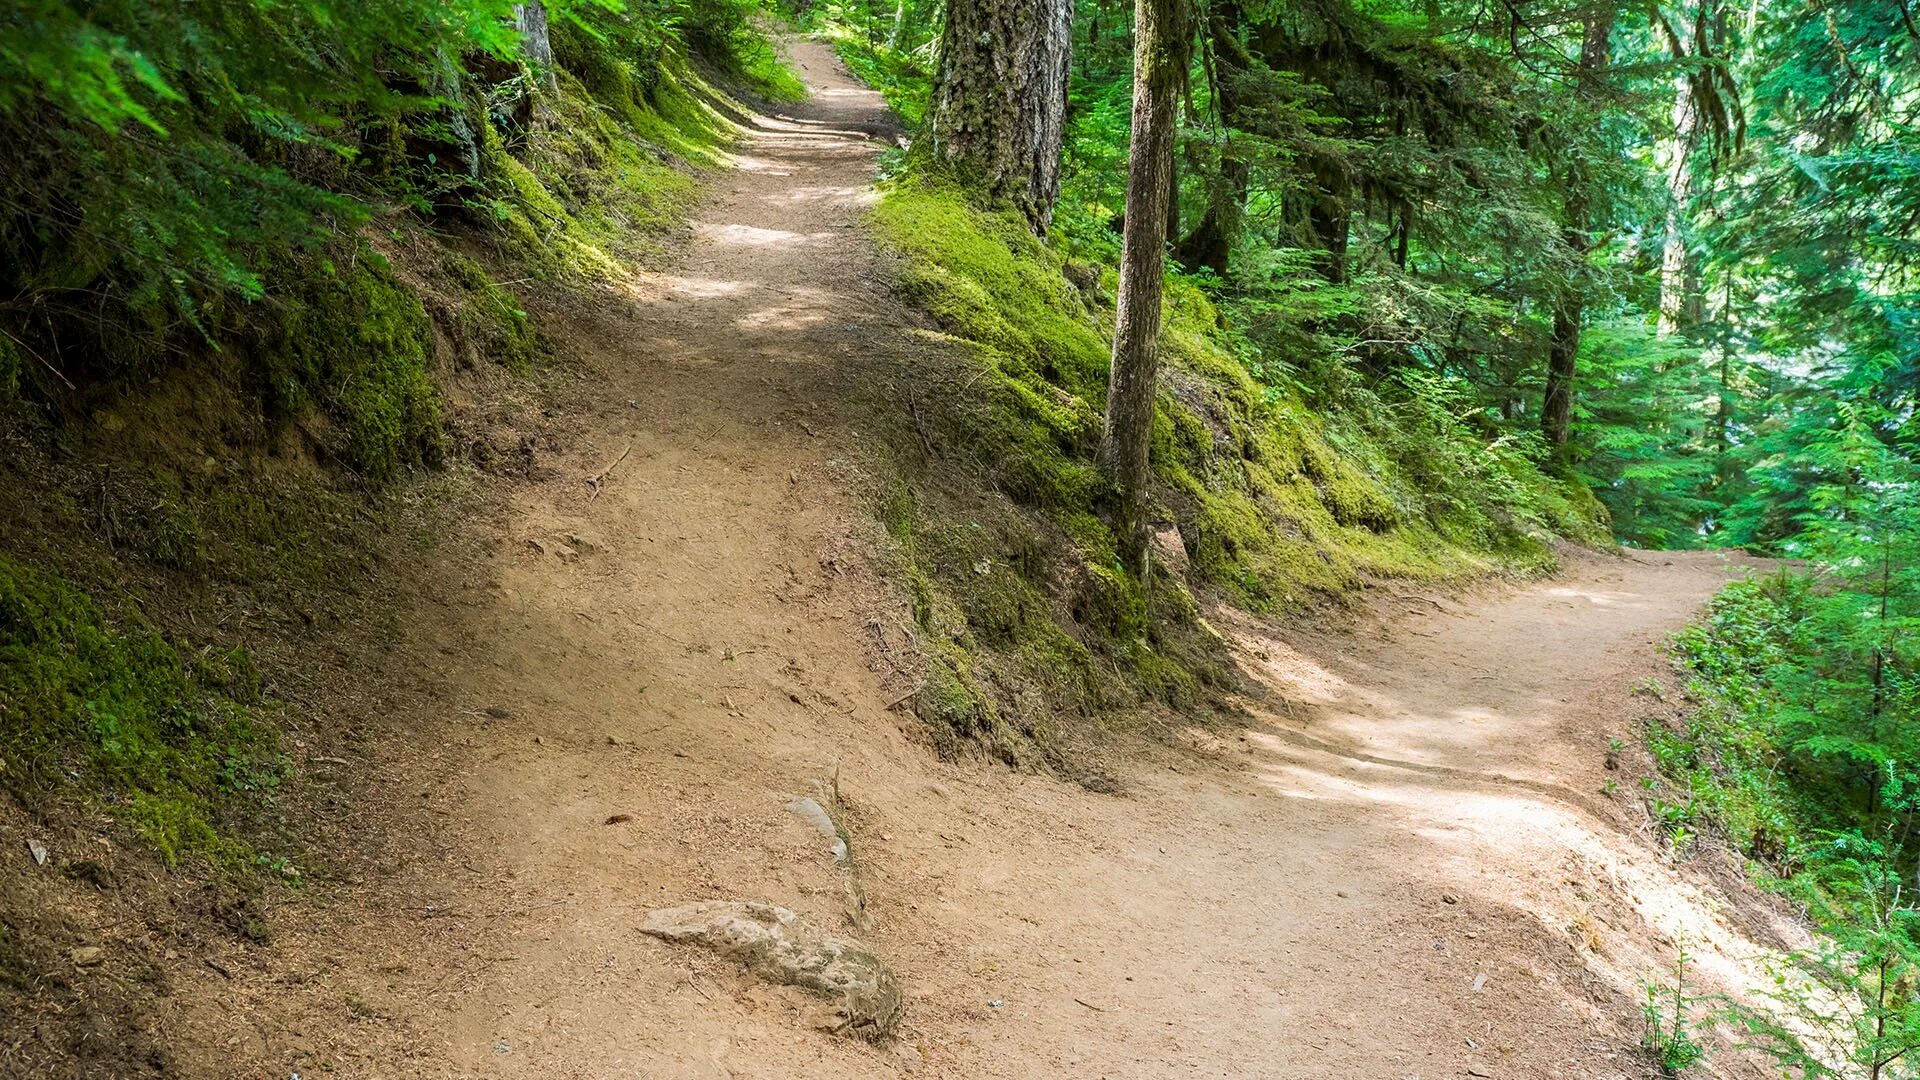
x: 1563, y: 350
x: 1000, y: 98
x: 1161, y: 42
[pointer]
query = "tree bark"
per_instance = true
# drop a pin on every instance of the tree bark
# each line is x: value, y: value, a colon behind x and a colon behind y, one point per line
x: 1330, y: 217
x: 1563, y: 351
x: 1681, y: 301
x: 1161, y: 41
x: 1000, y: 99
x: 897, y: 35
x: 531, y: 20
x: 1563, y: 354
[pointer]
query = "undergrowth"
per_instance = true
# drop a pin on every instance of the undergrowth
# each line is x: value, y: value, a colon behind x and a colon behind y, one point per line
x: 1798, y: 749
x: 1264, y: 499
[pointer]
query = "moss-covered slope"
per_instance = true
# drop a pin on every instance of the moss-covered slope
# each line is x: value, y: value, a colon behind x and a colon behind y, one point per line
x: 1033, y: 627
x: 251, y: 463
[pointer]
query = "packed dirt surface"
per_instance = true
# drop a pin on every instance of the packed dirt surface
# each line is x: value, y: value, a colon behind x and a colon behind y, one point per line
x: 1408, y: 863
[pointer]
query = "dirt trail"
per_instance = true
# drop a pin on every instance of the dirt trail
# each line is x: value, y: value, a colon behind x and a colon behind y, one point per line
x: 1409, y: 871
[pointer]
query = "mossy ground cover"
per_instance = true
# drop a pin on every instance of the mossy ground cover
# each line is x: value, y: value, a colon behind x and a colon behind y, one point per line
x: 264, y: 465
x: 1277, y: 506
x: 177, y: 743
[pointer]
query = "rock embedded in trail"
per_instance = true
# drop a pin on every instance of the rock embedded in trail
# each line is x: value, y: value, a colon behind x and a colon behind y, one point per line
x: 777, y: 946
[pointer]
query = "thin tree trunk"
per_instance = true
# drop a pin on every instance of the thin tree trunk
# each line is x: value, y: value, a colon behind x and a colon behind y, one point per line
x: 1563, y: 355
x: 898, y: 33
x: 530, y: 19
x: 1563, y: 352
x: 1211, y: 242
x: 1000, y: 99
x: 1161, y: 40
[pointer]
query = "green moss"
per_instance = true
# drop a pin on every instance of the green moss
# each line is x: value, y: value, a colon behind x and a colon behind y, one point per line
x: 171, y: 743
x: 760, y: 68
x: 609, y: 178
x: 1278, y: 506
x: 352, y: 343
x: 490, y: 322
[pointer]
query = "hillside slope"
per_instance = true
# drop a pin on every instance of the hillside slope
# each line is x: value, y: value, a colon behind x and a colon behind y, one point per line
x: 617, y: 679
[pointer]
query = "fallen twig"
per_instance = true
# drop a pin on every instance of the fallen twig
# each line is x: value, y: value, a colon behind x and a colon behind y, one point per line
x: 61, y: 375
x: 599, y: 479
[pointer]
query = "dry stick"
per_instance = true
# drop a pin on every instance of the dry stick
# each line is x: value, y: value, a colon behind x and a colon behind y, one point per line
x: 30, y: 352
x: 597, y: 480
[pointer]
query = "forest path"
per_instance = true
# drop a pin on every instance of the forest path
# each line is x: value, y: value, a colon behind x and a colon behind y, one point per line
x: 1411, y: 870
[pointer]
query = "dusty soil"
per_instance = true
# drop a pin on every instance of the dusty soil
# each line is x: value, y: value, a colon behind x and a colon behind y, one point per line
x: 1405, y: 865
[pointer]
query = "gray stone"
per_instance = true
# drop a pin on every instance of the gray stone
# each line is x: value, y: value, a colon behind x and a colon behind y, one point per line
x: 811, y: 812
x: 776, y: 946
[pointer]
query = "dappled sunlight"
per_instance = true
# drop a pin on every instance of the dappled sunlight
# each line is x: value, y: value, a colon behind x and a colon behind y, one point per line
x: 701, y: 288
x: 1597, y: 598
x: 784, y: 317
x: 749, y: 235
x: 1297, y: 677
x: 836, y: 196
x: 1578, y: 878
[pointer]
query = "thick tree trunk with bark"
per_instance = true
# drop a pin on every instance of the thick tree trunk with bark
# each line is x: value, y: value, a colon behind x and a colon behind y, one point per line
x: 1681, y: 300
x: 1563, y: 351
x: 1000, y: 99
x: 1161, y: 41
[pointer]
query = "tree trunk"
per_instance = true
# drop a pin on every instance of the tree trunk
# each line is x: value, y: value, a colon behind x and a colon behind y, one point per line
x: 1161, y: 40
x: 1563, y: 354
x: 1000, y: 100
x: 1681, y: 303
x: 530, y: 20
x: 1563, y: 351
x: 1211, y: 242
x: 897, y: 35
x: 1329, y: 216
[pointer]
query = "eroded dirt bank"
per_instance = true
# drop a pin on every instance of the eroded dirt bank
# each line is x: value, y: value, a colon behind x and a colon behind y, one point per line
x: 616, y: 688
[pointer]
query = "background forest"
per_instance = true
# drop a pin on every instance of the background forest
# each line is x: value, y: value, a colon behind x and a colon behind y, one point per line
x: 1446, y: 282
x: 1664, y: 253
